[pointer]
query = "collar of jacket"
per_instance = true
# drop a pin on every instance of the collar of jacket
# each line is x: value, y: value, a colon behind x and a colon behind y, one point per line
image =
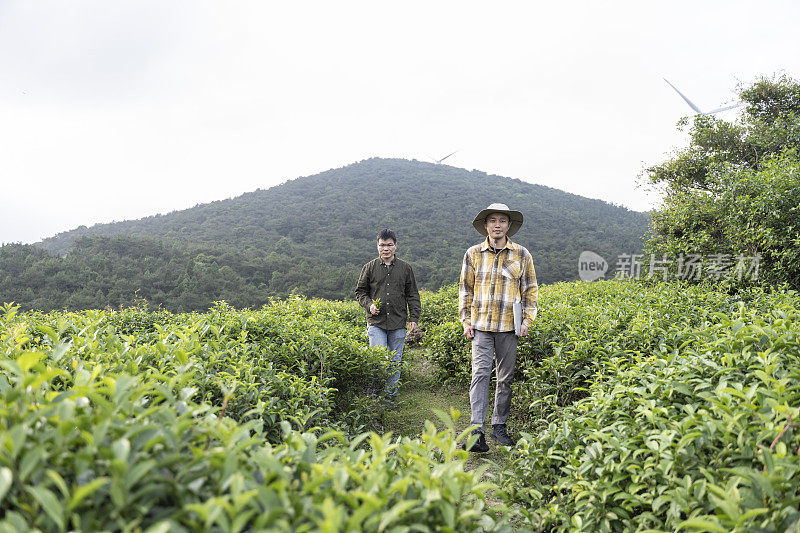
x: 509, y: 245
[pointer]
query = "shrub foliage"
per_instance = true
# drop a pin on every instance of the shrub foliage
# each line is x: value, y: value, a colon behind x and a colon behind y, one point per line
x: 654, y: 407
x: 223, y: 421
x: 662, y: 407
x: 734, y: 191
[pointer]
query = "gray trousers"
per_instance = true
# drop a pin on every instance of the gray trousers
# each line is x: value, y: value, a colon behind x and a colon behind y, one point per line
x: 487, y: 347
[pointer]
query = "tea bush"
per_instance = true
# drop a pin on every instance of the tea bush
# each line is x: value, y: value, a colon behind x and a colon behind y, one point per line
x: 654, y: 407
x: 175, y: 430
x: 298, y: 357
x: 116, y: 453
x: 315, y: 339
x: 642, y: 407
x: 579, y: 325
x: 440, y: 306
x: 699, y: 435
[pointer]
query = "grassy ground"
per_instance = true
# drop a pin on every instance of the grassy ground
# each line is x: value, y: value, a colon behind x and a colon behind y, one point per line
x: 421, y: 393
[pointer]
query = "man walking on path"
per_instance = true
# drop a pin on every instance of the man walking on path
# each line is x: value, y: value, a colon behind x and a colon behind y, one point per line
x: 389, y: 281
x: 494, y: 275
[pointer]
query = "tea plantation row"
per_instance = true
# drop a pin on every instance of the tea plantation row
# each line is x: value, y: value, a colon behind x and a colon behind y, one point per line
x: 651, y: 408
x: 223, y: 421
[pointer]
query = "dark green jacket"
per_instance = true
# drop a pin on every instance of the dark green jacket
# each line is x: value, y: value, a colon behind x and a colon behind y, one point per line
x: 397, y: 289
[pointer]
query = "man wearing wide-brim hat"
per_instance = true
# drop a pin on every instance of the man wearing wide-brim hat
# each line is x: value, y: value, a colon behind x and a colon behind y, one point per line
x: 494, y: 275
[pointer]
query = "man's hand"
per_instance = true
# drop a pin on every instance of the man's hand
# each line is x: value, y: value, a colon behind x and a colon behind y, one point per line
x: 469, y: 332
x: 374, y: 310
x: 523, y: 330
x: 413, y: 326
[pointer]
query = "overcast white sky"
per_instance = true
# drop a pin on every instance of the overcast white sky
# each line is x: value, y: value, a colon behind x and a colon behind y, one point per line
x: 112, y: 110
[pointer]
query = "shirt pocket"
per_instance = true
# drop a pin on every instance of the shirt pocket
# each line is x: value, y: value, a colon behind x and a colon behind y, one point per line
x: 483, y: 273
x: 511, y: 269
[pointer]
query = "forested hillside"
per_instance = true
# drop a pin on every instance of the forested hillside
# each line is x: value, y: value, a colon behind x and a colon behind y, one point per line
x: 309, y: 235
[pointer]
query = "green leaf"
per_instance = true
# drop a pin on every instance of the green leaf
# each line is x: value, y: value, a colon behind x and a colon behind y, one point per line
x: 16, y: 521
x: 18, y: 438
x: 164, y: 526
x: 28, y: 359
x: 390, y: 516
x: 752, y: 513
x: 59, y: 482
x: 49, y: 503
x: 121, y: 449
x: 138, y: 471
x: 50, y: 332
x: 60, y: 349
x: 6, y: 478
x: 82, y: 492
x: 701, y: 524
x: 30, y: 461
x: 446, y: 419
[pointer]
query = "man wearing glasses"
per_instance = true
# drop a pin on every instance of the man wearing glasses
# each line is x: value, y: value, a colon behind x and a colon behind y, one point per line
x: 387, y: 290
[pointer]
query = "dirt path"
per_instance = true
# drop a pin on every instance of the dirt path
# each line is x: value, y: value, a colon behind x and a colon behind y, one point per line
x: 421, y: 393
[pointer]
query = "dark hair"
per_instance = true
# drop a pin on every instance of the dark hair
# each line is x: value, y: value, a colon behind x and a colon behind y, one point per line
x: 386, y: 235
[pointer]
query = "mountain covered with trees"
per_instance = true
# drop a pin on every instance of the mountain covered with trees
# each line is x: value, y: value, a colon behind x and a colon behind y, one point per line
x: 310, y: 236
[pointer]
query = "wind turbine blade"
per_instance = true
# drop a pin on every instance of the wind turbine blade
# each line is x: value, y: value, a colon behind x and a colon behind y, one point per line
x: 724, y: 108
x: 696, y: 109
x: 445, y: 157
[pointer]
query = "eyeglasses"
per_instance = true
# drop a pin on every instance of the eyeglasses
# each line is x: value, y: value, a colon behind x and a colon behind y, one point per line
x: 386, y: 245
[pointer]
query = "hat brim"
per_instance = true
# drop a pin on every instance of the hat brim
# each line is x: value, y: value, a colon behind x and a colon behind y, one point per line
x: 514, y: 216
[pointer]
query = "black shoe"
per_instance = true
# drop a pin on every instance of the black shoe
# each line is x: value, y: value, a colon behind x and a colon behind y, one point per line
x: 500, y: 435
x: 480, y: 445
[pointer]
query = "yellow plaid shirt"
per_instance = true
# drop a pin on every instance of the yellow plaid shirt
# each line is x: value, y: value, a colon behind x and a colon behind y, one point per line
x: 491, y: 283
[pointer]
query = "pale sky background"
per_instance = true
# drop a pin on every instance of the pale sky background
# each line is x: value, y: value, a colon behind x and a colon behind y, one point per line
x: 114, y: 110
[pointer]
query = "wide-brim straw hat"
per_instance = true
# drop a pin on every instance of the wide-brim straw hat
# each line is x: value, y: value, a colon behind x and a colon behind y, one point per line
x: 515, y: 218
